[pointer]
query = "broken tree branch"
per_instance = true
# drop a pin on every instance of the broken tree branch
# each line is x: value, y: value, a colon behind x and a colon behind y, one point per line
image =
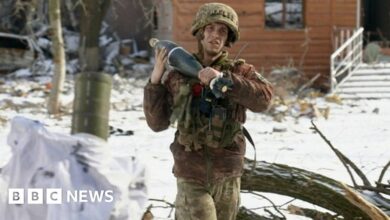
x: 246, y: 214
x: 344, y: 159
x: 170, y: 205
x: 373, y: 211
x: 309, y: 83
x: 270, y: 201
x: 383, y: 172
x: 311, y: 213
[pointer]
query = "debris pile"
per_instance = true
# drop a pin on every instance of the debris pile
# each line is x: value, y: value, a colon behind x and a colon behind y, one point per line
x: 26, y: 64
x: 293, y: 98
x: 30, y: 46
x: 314, y: 105
x: 117, y: 55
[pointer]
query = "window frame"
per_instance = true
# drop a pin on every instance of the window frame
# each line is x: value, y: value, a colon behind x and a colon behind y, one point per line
x: 284, y: 12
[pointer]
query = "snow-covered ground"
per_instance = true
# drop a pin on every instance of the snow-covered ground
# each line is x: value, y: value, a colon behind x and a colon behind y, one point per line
x: 359, y: 129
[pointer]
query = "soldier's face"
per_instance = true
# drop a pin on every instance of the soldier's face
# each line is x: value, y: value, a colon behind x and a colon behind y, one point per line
x: 214, y: 38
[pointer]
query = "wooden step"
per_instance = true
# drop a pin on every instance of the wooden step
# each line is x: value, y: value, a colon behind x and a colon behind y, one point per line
x: 374, y: 66
x: 364, y: 72
x: 374, y: 78
x: 368, y: 82
x: 362, y: 84
x: 365, y: 90
x: 365, y: 96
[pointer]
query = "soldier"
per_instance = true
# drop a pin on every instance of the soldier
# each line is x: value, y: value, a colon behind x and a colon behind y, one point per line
x: 209, y: 144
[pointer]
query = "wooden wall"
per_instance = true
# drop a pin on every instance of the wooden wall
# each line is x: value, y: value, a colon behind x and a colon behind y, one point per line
x: 267, y: 48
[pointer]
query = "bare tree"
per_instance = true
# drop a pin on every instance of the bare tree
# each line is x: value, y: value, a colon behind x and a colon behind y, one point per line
x: 58, y: 57
x: 92, y: 87
x: 92, y: 15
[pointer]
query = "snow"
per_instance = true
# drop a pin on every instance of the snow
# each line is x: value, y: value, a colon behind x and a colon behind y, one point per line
x: 358, y: 128
x: 72, y: 41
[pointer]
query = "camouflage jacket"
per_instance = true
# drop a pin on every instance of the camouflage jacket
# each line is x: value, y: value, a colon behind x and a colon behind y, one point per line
x: 210, y: 164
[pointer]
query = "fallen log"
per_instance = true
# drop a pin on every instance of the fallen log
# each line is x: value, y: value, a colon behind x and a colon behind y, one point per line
x: 304, y: 185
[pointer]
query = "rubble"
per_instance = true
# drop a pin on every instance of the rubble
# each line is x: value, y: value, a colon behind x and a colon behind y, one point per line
x: 315, y: 105
x: 16, y: 51
x: 33, y: 50
x: 294, y: 100
x: 26, y: 78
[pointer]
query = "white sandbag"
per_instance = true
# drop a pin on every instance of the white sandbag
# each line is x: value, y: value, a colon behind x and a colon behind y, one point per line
x: 94, y: 184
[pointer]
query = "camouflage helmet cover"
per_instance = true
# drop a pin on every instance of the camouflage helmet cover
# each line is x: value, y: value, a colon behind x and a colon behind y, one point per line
x: 217, y: 12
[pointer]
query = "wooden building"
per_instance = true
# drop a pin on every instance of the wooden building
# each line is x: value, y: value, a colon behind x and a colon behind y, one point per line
x: 278, y: 33
x: 306, y: 44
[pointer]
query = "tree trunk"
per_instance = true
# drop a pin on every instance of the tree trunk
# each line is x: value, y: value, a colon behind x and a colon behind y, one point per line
x: 92, y: 90
x: 301, y: 184
x: 92, y: 15
x: 58, y: 57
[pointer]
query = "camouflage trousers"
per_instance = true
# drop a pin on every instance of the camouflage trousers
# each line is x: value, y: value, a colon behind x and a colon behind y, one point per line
x: 197, y: 202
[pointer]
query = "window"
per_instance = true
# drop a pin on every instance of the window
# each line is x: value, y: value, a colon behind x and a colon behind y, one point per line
x: 286, y: 14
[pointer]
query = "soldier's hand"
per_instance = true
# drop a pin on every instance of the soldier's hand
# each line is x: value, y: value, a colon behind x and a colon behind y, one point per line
x: 207, y: 74
x: 158, y: 70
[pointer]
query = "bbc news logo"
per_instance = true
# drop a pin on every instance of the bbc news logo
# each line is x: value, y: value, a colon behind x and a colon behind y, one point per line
x: 57, y: 196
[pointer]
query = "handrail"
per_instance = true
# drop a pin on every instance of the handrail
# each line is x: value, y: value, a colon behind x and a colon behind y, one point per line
x: 346, y: 59
x: 349, y: 41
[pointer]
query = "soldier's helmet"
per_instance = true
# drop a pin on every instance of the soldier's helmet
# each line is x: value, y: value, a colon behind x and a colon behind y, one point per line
x: 217, y: 12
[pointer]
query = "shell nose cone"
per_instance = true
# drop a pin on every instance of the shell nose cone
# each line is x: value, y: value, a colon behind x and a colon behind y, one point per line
x: 153, y: 42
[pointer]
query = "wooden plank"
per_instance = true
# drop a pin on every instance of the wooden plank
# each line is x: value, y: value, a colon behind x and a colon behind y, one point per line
x: 318, y: 22
x: 337, y: 5
x: 344, y: 13
x: 318, y: 8
x: 346, y: 23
